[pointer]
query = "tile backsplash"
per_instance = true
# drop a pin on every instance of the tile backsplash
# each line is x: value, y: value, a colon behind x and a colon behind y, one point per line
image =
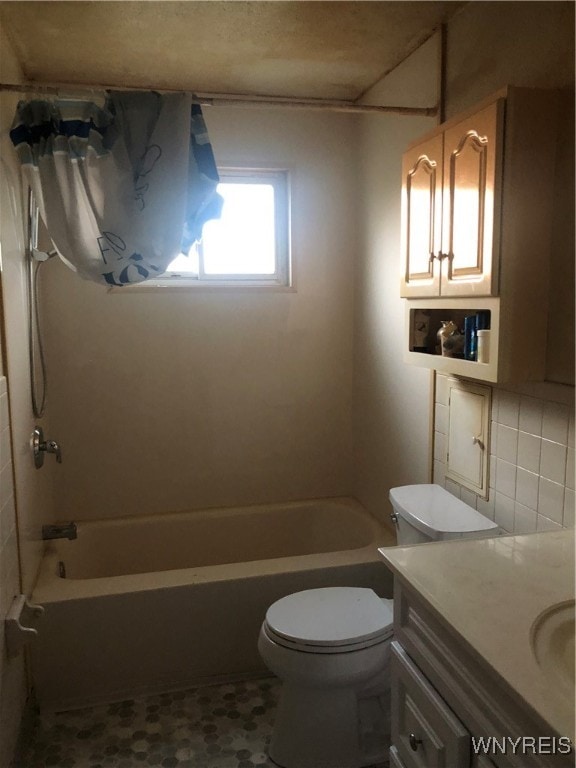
x: 532, y: 458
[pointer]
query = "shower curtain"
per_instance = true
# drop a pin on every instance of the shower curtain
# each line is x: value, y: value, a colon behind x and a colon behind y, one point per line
x: 123, y: 188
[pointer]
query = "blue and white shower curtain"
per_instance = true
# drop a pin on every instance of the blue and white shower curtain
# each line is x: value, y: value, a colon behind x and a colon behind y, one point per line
x: 123, y: 188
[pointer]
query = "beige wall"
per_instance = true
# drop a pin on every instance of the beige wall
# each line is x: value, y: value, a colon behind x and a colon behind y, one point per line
x: 173, y: 400
x: 32, y: 495
x: 391, y: 399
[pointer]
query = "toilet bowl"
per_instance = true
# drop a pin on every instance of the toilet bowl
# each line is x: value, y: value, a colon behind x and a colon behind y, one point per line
x: 330, y: 647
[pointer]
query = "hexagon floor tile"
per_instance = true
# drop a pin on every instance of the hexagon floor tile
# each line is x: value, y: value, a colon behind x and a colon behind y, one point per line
x: 219, y: 726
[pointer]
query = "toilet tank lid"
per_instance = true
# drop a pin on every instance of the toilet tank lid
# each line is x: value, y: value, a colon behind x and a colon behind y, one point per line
x: 434, y: 511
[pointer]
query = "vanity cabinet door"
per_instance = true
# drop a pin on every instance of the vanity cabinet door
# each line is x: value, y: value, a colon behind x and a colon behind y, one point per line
x: 425, y: 731
x: 471, y: 202
x: 395, y: 761
x: 422, y: 218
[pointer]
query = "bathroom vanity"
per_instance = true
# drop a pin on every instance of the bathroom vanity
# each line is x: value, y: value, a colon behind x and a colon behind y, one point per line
x: 483, y: 649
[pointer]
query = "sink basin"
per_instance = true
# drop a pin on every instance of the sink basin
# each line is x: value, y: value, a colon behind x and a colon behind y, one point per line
x: 552, y: 637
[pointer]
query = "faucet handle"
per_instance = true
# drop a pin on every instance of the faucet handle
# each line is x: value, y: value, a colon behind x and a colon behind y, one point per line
x: 41, y: 446
x: 53, y: 447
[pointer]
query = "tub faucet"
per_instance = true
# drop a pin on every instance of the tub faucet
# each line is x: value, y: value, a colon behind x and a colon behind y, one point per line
x: 59, y: 531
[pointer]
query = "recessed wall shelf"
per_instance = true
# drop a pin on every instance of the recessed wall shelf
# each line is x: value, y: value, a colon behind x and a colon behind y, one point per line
x: 437, y: 310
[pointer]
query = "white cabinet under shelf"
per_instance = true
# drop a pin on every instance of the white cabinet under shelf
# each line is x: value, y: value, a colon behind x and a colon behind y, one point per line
x: 477, y: 202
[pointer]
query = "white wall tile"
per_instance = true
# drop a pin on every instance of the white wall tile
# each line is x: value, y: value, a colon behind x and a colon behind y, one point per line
x: 468, y: 497
x: 440, y: 447
x: 545, y: 524
x: 569, y: 508
x: 570, y: 467
x: 531, y: 410
x: 492, y: 472
x: 504, y: 512
x: 486, y: 506
x: 555, y: 422
x: 9, y: 580
x: 439, y: 473
x: 507, y: 443
x: 509, y: 409
x: 493, y: 441
x: 5, y: 452
x: 527, y: 488
x: 6, y: 484
x: 4, y: 417
x: 529, y: 447
x: 551, y: 500
x: 452, y: 487
x: 506, y: 478
x: 7, y: 519
x: 525, y: 519
x: 553, y: 461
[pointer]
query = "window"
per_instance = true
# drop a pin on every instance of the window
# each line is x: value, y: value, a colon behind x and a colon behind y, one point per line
x: 249, y: 244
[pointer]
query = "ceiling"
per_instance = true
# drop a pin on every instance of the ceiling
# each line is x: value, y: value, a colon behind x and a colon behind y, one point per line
x: 320, y: 49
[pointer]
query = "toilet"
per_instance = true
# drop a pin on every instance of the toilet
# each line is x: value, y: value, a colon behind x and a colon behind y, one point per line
x: 331, y: 646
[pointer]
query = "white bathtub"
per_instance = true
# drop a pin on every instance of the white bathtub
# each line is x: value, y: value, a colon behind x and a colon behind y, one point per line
x: 169, y: 601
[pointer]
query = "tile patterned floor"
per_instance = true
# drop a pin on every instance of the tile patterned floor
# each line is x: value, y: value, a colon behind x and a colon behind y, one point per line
x: 220, y: 726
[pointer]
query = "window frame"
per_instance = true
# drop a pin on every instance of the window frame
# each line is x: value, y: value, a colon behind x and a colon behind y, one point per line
x: 281, y: 278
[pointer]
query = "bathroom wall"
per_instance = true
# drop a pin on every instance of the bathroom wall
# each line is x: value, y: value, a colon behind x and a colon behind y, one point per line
x: 189, y: 399
x: 13, y: 686
x: 391, y: 399
x: 12, y: 670
x: 489, y: 45
x: 33, y: 488
x: 532, y: 430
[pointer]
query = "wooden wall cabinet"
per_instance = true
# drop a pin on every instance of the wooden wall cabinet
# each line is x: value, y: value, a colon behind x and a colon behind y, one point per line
x: 450, y: 202
x: 477, y: 203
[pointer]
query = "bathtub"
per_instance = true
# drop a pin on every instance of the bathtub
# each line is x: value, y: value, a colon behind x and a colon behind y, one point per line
x: 142, y: 605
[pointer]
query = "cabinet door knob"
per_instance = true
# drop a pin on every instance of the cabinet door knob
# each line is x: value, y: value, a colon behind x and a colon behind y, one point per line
x: 478, y: 442
x: 414, y: 742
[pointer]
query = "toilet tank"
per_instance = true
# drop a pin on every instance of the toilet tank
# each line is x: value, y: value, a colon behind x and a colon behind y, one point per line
x: 428, y: 512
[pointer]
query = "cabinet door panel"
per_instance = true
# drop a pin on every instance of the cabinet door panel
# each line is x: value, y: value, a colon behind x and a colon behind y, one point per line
x: 472, y: 167
x: 421, y: 218
x: 425, y: 731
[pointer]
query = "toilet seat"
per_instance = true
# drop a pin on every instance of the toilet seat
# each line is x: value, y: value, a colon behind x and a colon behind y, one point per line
x: 329, y: 620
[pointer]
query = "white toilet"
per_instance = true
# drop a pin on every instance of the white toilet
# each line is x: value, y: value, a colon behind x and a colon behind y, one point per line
x: 330, y: 647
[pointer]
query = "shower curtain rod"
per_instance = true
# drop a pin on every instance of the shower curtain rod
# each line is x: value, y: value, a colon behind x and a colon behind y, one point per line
x: 229, y: 99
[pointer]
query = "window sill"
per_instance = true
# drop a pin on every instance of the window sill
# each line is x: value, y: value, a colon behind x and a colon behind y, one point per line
x: 204, y: 286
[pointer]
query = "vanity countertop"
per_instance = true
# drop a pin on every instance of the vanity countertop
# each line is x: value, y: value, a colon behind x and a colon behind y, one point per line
x: 491, y: 592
